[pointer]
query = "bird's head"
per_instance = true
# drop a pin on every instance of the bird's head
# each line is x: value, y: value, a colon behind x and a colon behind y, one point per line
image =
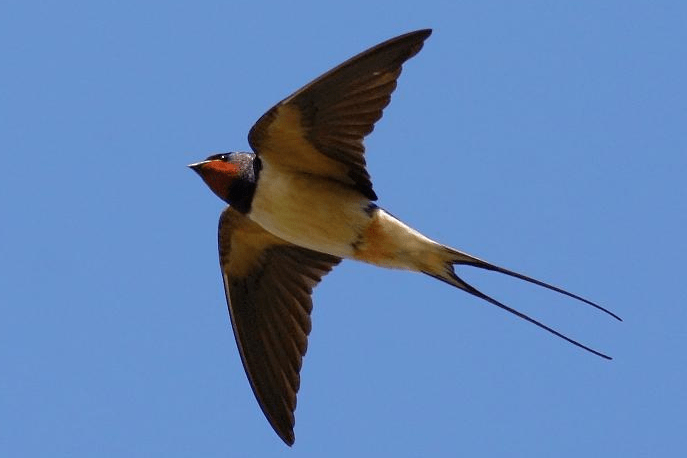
x: 231, y: 176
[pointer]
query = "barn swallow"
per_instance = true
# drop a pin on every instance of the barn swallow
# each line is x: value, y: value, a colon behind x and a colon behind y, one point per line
x: 301, y: 203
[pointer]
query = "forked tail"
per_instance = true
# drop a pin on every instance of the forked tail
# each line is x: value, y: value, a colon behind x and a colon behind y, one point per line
x: 446, y: 273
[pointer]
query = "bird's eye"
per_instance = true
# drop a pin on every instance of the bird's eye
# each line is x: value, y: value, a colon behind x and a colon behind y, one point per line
x: 219, y: 157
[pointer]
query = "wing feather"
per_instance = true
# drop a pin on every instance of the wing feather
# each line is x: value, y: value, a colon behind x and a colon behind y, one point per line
x: 320, y: 128
x: 268, y: 283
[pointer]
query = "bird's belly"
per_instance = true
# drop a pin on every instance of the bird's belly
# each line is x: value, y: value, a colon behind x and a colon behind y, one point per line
x: 309, y: 211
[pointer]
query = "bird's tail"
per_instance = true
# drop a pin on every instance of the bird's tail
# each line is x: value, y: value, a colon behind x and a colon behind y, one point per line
x: 443, y: 269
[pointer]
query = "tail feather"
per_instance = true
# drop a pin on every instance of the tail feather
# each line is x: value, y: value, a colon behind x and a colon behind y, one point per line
x: 446, y: 273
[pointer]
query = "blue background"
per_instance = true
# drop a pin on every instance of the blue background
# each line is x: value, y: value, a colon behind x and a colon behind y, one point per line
x: 548, y: 137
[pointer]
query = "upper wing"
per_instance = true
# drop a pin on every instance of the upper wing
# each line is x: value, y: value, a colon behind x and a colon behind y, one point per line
x: 320, y: 128
x: 268, y: 283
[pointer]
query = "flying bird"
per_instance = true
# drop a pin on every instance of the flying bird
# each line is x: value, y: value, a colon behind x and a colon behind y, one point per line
x: 300, y: 203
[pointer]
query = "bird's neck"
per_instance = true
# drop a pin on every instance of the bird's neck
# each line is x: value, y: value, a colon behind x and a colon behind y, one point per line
x: 242, y: 189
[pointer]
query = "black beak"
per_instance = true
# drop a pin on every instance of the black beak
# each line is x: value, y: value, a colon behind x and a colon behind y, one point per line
x: 197, y: 166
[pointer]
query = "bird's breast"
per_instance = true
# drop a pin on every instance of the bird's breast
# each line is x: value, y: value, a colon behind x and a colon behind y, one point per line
x: 310, y: 211
x: 330, y: 217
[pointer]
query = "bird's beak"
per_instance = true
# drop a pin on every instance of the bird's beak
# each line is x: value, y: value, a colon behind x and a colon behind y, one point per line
x: 197, y: 165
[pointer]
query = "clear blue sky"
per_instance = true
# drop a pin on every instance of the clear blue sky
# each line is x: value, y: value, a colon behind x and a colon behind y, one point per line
x: 548, y: 138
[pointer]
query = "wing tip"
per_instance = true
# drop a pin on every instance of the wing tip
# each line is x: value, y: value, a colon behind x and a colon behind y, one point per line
x: 287, y: 436
x: 424, y: 33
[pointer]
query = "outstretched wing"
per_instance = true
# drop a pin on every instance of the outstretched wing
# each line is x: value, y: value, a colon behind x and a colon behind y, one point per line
x: 268, y: 283
x: 320, y: 128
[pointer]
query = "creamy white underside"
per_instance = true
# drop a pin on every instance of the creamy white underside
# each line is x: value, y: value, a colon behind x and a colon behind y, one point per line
x: 324, y: 215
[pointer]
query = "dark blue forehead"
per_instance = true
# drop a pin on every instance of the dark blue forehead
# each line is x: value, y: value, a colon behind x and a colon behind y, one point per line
x: 231, y: 156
